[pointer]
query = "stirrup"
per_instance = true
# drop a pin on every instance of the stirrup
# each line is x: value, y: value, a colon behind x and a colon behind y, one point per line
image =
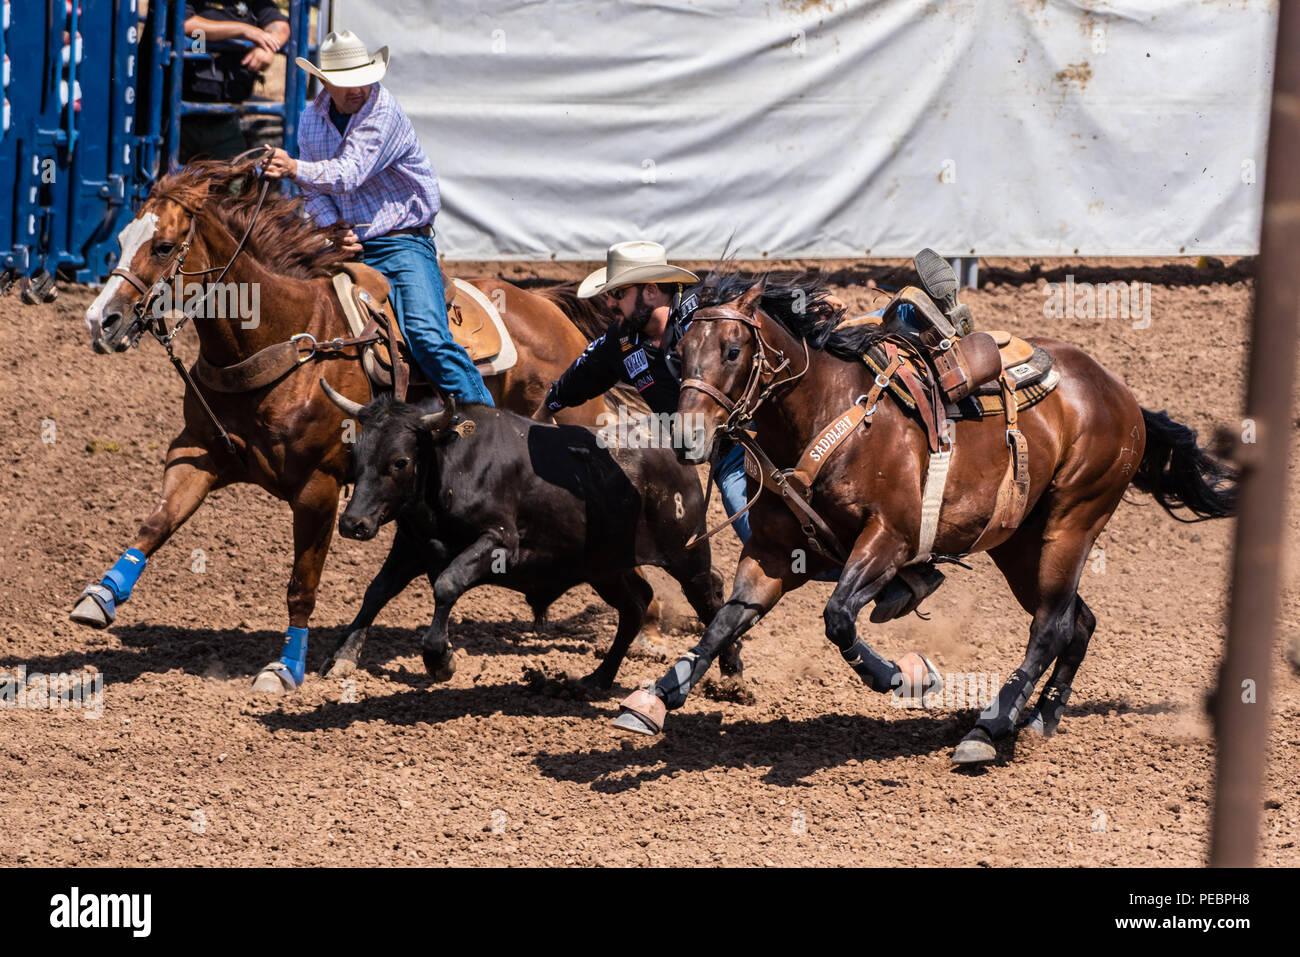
x: 937, y: 278
x: 941, y: 285
x: 904, y: 592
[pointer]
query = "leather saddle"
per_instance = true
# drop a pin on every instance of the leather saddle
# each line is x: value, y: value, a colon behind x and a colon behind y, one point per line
x: 472, y: 317
x: 969, y: 369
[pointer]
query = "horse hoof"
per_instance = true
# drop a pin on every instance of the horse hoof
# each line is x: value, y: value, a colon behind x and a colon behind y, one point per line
x: 975, y: 748
x: 1036, y: 725
x: 641, y: 713
x: 341, y: 668
x: 269, y: 683
x: 443, y: 669
x: 89, y: 612
x: 635, y: 723
x: 917, y: 672
x: 275, y: 679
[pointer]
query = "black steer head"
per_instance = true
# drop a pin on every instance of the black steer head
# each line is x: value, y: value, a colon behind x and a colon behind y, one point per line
x: 386, y: 457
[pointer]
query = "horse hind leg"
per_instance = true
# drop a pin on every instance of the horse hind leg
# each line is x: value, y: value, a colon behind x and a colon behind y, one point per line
x: 1042, y: 563
x: 1047, y: 713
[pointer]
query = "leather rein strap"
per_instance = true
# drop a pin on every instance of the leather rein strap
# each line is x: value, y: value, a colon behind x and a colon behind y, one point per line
x: 274, y: 362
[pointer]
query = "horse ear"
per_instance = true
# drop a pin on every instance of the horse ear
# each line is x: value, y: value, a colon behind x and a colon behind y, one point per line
x: 748, y: 303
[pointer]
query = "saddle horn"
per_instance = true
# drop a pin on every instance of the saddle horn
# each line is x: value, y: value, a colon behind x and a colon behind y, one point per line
x: 343, y: 402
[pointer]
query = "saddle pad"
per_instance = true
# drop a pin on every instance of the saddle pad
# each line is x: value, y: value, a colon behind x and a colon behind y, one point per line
x: 876, y: 360
x: 1033, y: 383
x: 477, y: 325
x: 982, y: 406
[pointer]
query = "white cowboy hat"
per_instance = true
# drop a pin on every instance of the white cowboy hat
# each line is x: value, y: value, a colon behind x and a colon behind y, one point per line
x: 633, y: 262
x: 344, y: 61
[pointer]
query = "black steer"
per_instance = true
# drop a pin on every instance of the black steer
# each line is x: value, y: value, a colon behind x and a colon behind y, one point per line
x: 484, y: 496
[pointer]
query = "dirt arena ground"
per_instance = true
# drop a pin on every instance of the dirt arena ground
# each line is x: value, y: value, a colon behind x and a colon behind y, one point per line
x: 185, y: 766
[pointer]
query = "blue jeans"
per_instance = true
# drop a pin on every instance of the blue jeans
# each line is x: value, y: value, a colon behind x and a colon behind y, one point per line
x: 411, y: 265
x: 729, y: 474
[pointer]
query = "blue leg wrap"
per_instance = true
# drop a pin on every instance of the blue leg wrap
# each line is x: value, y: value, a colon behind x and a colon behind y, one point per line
x: 121, y: 578
x: 294, y: 655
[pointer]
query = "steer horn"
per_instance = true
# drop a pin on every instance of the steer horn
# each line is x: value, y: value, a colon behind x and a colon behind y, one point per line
x: 434, y: 421
x: 343, y: 402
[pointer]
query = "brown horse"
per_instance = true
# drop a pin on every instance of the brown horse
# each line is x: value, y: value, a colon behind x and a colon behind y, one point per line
x: 1088, y: 441
x: 286, y: 437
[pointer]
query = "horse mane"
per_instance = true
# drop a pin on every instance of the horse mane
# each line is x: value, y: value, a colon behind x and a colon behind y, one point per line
x: 284, y: 239
x: 800, y: 302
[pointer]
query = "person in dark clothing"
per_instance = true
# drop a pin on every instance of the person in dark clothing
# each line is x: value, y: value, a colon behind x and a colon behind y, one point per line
x: 638, y: 348
x: 229, y: 76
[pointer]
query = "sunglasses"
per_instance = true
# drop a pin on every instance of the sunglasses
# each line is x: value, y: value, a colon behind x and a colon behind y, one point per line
x: 618, y: 295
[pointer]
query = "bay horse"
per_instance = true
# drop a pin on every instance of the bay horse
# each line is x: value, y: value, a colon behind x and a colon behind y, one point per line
x: 285, y: 437
x: 1088, y: 441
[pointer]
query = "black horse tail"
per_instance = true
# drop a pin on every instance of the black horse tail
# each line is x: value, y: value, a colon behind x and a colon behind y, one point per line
x: 1178, y: 473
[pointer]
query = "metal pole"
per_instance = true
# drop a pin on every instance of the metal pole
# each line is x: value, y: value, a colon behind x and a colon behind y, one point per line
x: 1242, y: 703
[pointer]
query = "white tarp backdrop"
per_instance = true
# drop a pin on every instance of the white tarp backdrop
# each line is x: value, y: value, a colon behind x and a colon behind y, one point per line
x: 835, y: 128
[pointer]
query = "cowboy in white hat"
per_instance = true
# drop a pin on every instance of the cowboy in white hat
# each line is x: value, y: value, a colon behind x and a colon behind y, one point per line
x: 362, y: 164
x: 644, y: 293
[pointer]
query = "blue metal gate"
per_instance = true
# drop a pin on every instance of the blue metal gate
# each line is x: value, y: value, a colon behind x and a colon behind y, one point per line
x: 92, y: 105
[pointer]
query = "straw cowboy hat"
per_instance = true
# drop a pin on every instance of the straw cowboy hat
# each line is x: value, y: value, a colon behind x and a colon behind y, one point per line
x: 344, y: 61
x: 633, y: 262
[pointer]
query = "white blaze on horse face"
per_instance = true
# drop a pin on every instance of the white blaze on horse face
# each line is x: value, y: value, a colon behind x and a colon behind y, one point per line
x: 137, y: 233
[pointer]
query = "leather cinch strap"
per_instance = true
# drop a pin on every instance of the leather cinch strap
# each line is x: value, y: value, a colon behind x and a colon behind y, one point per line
x: 1013, y: 493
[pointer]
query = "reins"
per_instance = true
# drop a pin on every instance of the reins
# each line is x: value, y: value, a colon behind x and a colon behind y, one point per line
x: 263, y: 367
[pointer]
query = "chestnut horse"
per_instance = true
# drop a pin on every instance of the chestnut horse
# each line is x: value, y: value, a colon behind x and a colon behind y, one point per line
x: 1088, y: 441
x: 287, y: 437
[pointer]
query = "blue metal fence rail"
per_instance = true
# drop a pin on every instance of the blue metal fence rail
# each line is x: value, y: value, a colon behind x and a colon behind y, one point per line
x: 92, y: 107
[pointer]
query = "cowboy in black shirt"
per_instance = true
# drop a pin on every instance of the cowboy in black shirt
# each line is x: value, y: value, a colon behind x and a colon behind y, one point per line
x: 638, y: 348
x: 229, y: 76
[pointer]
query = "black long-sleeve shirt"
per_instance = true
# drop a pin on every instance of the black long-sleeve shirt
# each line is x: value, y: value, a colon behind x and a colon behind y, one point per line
x: 622, y: 355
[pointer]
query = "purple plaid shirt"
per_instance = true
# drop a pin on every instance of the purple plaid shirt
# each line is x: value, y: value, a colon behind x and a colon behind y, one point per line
x: 377, y: 174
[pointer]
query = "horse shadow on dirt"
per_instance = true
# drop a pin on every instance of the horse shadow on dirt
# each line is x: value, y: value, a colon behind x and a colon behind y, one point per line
x: 791, y: 750
x: 433, y: 704
x: 150, y: 647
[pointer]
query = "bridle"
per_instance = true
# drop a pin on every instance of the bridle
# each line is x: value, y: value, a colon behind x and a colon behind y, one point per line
x: 156, y: 323
x: 741, y: 411
x: 794, y: 485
